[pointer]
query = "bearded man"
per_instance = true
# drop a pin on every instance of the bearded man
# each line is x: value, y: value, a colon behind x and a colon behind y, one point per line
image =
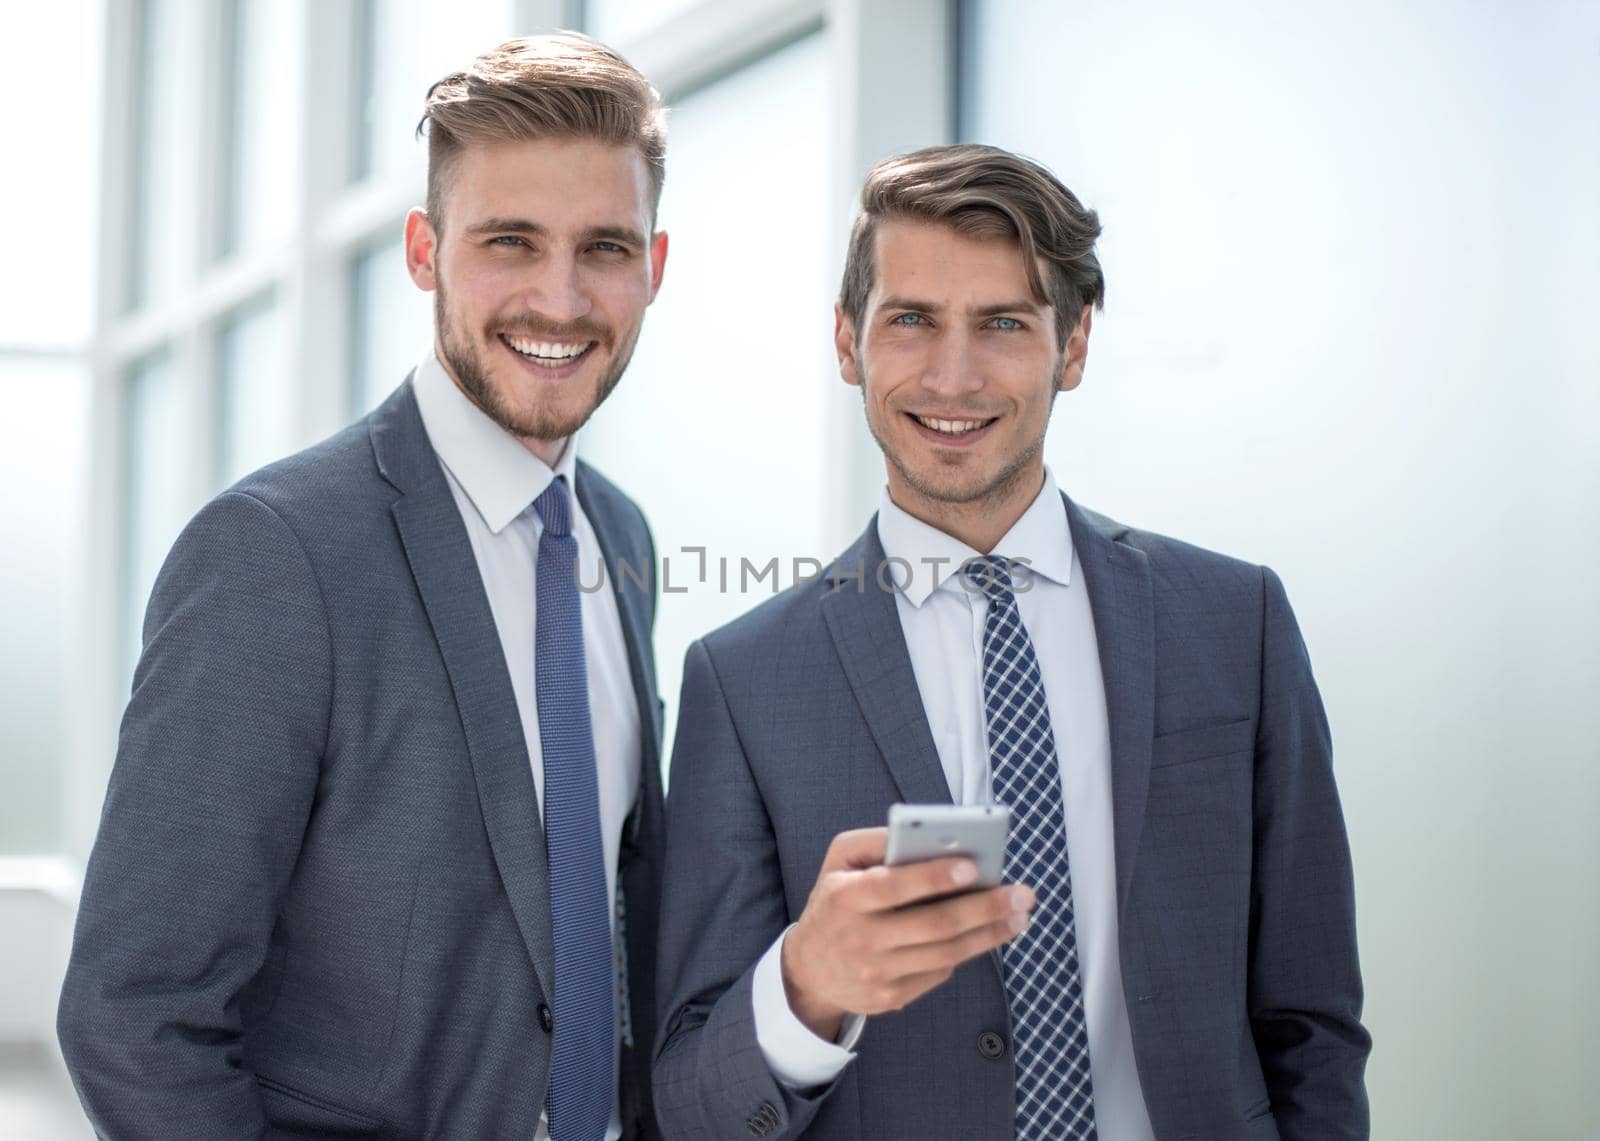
x: 381, y: 850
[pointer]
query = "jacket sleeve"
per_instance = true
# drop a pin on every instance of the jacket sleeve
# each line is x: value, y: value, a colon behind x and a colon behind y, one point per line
x: 724, y: 906
x: 216, y: 769
x: 1305, y: 980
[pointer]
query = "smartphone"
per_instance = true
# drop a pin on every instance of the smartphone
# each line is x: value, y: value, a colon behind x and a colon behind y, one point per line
x: 930, y: 831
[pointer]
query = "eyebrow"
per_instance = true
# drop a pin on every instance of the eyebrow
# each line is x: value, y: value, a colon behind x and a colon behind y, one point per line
x: 523, y: 226
x: 916, y: 306
x: 625, y: 234
x: 506, y: 226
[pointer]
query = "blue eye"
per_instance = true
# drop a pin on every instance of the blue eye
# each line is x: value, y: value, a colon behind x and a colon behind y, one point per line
x: 908, y: 319
x: 507, y: 239
x: 1007, y: 324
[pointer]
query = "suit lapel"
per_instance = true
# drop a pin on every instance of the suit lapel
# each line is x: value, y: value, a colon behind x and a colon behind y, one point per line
x: 1118, y: 580
x: 864, y: 623
x: 446, y: 574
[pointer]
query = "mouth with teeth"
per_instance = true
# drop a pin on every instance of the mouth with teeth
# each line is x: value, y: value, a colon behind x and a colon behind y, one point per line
x: 548, y: 356
x: 944, y: 431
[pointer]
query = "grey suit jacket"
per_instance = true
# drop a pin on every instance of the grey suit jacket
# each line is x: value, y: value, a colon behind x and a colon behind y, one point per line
x: 318, y: 903
x: 1237, y: 931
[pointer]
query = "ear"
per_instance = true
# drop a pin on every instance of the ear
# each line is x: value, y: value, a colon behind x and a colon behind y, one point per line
x: 422, y: 246
x: 1076, y: 354
x: 844, y: 343
x: 658, y: 261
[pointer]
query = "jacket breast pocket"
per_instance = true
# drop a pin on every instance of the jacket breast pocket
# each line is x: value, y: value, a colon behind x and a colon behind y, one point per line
x: 1186, y: 746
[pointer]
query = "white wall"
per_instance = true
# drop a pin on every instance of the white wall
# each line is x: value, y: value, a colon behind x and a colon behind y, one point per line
x: 1353, y: 268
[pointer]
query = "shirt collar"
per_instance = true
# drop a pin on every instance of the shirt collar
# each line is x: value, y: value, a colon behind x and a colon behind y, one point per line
x: 499, y: 475
x: 928, y: 558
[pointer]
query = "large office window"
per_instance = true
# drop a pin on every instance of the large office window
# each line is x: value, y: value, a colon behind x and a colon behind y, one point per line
x: 45, y: 309
x: 156, y: 501
x: 260, y: 105
x: 255, y: 395
x: 159, y: 153
x: 393, y: 324
x: 718, y: 428
x: 403, y: 47
x: 614, y: 20
x: 386, y: 104
x: 42, y: 456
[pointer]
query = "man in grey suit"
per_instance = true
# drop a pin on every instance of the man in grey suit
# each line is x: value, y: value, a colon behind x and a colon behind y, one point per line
x: 380, y: 855
x: 1174, y: 955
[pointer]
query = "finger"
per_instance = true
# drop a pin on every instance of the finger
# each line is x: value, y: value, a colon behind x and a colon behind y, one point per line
x: 951, y: 953
x: 885, y: 888
x: 952, y: 918
x: 856, y: 849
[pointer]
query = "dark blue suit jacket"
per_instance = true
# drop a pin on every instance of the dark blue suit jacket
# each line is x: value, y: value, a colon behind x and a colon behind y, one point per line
x: 318, y: 903
x: 1236, y: 913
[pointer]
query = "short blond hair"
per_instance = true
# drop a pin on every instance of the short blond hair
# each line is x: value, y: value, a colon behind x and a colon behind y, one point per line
x: 983, y: 192
x: 563, y: 85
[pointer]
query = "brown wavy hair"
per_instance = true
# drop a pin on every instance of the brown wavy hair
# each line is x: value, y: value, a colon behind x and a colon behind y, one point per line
x: 984, y: 192
x: 563, y: 85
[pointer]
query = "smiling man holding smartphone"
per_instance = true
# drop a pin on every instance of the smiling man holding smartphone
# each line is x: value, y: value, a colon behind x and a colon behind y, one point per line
x: 1177, y: 953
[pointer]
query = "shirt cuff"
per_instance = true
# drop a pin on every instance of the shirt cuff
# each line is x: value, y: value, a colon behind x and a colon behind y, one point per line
x: 795, y: 1056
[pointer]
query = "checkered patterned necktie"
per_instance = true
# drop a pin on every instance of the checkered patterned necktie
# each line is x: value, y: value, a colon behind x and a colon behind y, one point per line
x: 1055, y: 1097
x: 581, y: 1080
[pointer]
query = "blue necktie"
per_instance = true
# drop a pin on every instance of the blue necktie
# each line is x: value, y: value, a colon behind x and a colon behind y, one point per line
x: 581, y: 1081
x: 1055, y: 1097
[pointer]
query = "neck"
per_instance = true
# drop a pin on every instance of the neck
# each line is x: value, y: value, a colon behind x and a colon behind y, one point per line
x: 979, y: 523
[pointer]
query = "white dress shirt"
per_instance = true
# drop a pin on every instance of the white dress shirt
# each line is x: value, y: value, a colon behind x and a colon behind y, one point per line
x: 943, y: 624
x: 495, y: 480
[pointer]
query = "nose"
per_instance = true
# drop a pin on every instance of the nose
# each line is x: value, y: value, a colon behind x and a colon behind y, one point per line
x: 951, y: 368
x: 557, y: 292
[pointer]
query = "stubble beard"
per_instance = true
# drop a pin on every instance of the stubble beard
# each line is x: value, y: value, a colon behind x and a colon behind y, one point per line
x: 466, y: 365
x: 955, y: 494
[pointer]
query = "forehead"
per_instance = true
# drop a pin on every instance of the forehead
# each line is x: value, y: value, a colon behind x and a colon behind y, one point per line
x: 559, y: 182
x: 933, y: 262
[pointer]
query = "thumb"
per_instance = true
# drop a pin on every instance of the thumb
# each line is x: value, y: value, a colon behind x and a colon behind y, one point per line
x: 856, y: 849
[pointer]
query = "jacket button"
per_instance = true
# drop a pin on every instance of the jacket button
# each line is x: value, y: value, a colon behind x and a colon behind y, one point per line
x: 546, y: 1019
x: 991, y: 1045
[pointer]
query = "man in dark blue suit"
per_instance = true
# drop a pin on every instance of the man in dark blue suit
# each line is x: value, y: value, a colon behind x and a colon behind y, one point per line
x: 1174, y: 955
x: 380, y: 855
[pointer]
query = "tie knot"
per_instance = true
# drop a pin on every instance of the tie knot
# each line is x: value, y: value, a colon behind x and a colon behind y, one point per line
x: 554, y: 507
x: 991, y: 576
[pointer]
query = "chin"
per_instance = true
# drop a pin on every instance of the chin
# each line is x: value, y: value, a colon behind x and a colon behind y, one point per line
x: 558, y: 402
x: 959, y: 483
x: 551, y: 425
x: 966, y: 492
x: 943, y: 486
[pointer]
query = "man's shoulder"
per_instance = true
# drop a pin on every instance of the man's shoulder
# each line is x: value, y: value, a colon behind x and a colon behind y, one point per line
x: 318, y: 507
x: 1171, y: 559
x: 792, y: 618
x: 322, y: 486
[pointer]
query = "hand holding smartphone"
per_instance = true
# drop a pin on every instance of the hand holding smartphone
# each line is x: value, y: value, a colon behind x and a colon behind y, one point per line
x: 894, y: 911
